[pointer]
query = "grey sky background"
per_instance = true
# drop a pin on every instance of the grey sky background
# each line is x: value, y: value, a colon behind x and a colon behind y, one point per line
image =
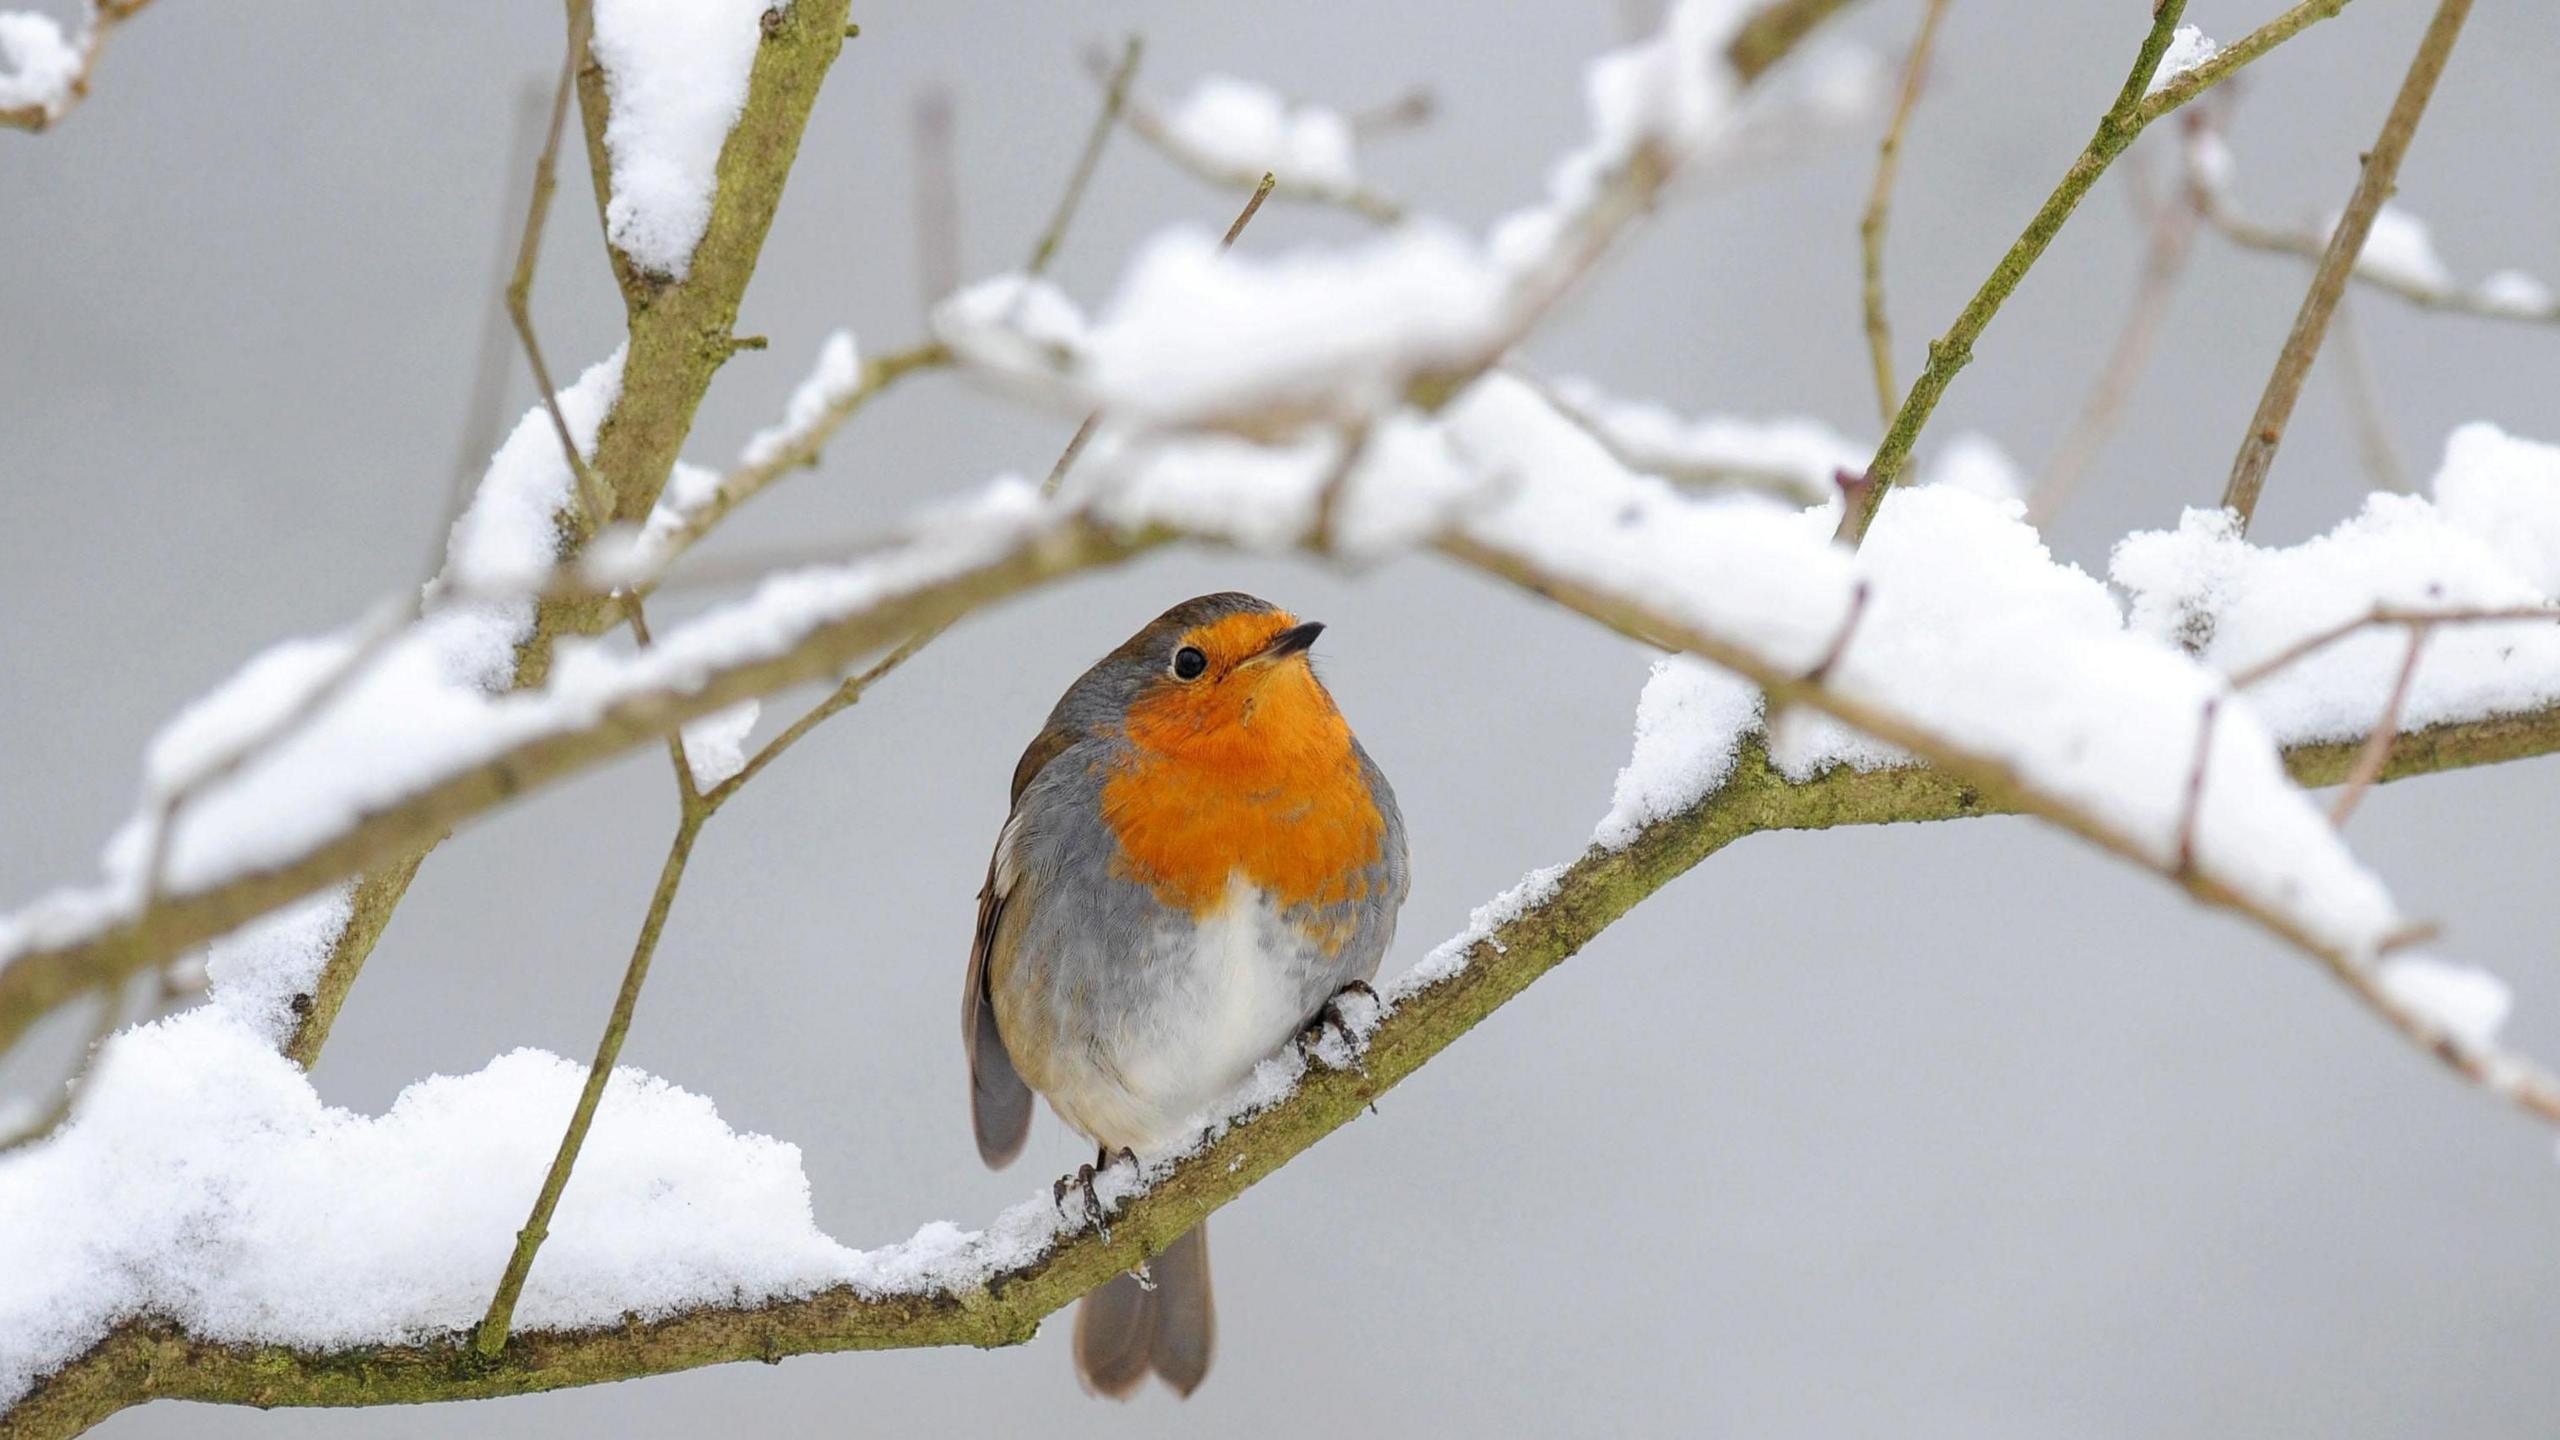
x: 1956, y: 1130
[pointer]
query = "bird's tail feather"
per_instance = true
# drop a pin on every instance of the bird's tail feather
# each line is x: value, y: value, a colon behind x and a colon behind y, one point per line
x: 1125, y: 1330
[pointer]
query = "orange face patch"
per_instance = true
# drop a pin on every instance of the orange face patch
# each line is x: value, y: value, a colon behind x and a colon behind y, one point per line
x: 1248, y: 768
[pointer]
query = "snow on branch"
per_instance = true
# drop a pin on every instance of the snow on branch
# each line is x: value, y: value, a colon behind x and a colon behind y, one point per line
x: 2398, y: 257
x: 1230, y: 133
x: 43, y: 72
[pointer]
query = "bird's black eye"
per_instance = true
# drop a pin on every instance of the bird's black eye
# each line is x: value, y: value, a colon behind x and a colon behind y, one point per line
x: 1189, y: 663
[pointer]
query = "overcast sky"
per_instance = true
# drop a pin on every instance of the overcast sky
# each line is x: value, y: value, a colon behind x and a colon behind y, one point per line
x: 1955, y: 1130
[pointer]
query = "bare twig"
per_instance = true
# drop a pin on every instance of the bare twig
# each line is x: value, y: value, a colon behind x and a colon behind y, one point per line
x: 1252, y: 206
x: 2362, y: 391
x: 2381, y: 169
x: 1871, y: 225
x: 1115, y: 95
x: 751, y: 478
x: 1066, y: 460
x: 492, y: 1334
x: 2388, y: 615
x: 937, y: 197
x: 2192, y: 804
x: 2386, y: 729
x: 1839, y: 646
x: 2125, y: 119
x: 44, y: 1122
x: 591, y: 492
x: 1413, y: 108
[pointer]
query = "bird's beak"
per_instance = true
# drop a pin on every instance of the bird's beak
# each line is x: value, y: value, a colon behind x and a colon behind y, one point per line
x: 1292, y: 641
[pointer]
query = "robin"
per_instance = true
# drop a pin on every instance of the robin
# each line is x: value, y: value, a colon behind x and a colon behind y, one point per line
x: 1200, y: 858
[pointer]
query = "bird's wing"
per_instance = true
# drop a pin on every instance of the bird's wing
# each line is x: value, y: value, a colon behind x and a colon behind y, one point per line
x: 999, y: 1101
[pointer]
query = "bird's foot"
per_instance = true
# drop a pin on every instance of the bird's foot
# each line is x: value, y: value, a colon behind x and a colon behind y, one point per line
x: 1329, y: 1016
x: 1081, y: 1182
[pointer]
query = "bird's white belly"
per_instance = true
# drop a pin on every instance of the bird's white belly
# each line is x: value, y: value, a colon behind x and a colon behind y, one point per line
x: 1231, y: 991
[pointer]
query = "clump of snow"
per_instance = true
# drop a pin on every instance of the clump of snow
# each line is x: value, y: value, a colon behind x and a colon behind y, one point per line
x: 1450, y: 956
x: 1237, y: 127
x: 676, y: 72
x: 1972, y: 635
x: 2514, y: 292
x: 1689, y: 727
x: 1667, y: 95
x: 1797, y: 456
x: 38, y: 63
x: 1012, y: 324
x: 509, y: 538
x: 837, y: 374
x: 2505, y: 490
x: 202, y: 1180
x: 2398, y: 250
x: 2490, y: 538
x: 1401, y: 486
x: 2467, y: 1002
x: 237, y: 712
x: 2189, y: 47
x: 1195, y: 333
x: 257, y: 970
x: 715, y: 746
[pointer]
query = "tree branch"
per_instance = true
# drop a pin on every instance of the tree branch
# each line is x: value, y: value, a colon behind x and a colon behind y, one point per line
x: 680, y: 330
x: 146, y: 1360
x: 2123, y: 121
x: 2302, y: 344
x: 668, y: 366
x: 1880, y: 196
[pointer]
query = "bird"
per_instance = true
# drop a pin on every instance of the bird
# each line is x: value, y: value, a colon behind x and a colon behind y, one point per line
x: 1200, y: 859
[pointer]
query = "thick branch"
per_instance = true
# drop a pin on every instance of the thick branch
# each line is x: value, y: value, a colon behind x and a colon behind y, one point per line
x: 680, y: 330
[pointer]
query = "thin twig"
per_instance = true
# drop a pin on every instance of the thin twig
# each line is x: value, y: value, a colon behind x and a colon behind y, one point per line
x: 2377, y: 746
x: 1066, y: 460
x: 2388, y: 615
x: 2124, y: 120
x: 937, y: 197
x: 492, y: 1334
x: 2192, y: 805
x: 1871, y: 225
x: 1252, y: 205
x: 520, y: 289
x: 839, y: 699
x: 110, y: 1014
x: 1839, y: 646
x: 2381, y: 170
x: 2362, y: 392
x: 1115, y: 95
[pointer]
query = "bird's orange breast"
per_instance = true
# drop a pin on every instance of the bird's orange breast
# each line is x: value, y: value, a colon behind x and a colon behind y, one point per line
x: 1259, y: 779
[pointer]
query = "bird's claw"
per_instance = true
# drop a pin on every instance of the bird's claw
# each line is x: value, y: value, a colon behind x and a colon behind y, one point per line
x: 1329, y: 1016
x: 1082, y: 1181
